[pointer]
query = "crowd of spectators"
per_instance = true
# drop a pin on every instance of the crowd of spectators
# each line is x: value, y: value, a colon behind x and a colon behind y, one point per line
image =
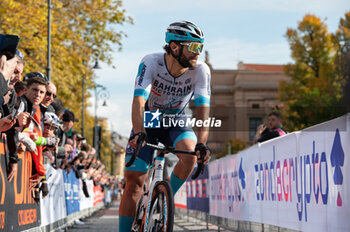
x: 33, y: 120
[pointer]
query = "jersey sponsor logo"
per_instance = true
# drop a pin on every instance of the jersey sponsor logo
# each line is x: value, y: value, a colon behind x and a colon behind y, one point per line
x: 142, y: 73
x: 165, y: 89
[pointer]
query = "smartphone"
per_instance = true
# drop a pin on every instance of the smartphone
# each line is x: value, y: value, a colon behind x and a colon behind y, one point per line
x: 8, y: 45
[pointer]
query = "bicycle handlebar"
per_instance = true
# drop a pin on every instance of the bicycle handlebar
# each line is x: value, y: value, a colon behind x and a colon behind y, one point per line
x: 202, y: 151
x: 140, y: 140
x: 165, y: 149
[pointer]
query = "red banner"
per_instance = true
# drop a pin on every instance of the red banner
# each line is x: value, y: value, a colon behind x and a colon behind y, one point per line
x: 18, y: 210
x: 98, y: 195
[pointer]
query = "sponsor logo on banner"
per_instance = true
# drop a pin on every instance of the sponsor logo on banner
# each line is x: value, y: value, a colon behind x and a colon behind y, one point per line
x: 306, y: 174
x: 298, y: 181
x: 337, y: 161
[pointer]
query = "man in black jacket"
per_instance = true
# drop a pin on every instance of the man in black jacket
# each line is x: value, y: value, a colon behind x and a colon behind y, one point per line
x: 8, y: 107
x: 273, y: 130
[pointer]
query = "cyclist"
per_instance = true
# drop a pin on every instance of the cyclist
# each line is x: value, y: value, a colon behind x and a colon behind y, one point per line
x: 166, y: 83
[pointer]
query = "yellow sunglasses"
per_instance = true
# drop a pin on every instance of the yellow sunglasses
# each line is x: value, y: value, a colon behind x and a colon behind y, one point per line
x: 194, y: 46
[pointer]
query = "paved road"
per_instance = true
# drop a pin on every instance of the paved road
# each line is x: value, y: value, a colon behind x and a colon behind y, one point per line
x: 106, y: 220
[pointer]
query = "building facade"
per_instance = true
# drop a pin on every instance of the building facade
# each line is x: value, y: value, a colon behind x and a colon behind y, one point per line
x: 119, y: 144
x: 242, y: 98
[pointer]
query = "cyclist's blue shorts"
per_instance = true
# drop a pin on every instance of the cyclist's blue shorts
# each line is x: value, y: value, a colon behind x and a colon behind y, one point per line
x: 169, y: 136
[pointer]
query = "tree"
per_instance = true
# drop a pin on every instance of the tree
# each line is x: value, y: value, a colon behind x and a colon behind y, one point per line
x: 341, y: 40
x: 314, y: 91
x: 81, y: 31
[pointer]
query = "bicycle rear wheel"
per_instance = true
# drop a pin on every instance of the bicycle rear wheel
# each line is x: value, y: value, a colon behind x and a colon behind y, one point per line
x: 161, y: 214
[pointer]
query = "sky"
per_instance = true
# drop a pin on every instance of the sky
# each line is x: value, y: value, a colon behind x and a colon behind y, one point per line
x: 252, y: 31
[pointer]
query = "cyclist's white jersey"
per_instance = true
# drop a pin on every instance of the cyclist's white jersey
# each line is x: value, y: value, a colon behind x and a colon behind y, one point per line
x: 169, y: 94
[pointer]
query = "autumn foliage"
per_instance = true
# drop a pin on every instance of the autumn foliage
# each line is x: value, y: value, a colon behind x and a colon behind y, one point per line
x: 81, y: 32
x: 315, y: 92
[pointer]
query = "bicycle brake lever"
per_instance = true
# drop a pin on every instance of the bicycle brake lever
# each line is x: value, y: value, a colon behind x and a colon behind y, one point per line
x: 200, y: 168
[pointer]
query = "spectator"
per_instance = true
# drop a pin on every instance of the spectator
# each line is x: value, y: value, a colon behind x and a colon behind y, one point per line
x: 20, y: 88
x: 71, y: 155
x: 273, y: 130
x: 36, y: 89
x: 86, y: 147
x: 8, y: 103
x: 68, y: 122
x: 63, y: 133
x: 51, y: 123
x: 59, y: 107
x: 16, y: 76
x: 7, y: 68
x: 79, y: 141
x: 49, y: 98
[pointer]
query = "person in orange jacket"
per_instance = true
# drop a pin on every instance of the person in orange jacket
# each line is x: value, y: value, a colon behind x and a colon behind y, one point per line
x: 36, y: 89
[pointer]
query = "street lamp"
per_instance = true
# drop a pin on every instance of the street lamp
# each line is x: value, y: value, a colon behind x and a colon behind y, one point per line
x: 48, y: 67
x: 96, y: 66
x: 102, y: 93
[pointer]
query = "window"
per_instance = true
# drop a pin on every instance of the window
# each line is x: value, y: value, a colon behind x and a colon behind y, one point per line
x: 255, y: 106
x: 253, y: 124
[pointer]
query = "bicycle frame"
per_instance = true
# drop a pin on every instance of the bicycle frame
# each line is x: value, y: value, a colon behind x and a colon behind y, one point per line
x: 155, y: 174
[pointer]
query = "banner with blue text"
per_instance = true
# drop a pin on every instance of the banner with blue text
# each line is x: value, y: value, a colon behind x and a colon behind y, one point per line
x: 298, y: 181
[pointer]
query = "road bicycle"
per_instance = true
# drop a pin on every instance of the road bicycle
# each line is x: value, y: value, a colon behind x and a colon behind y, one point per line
x: 155, y: 208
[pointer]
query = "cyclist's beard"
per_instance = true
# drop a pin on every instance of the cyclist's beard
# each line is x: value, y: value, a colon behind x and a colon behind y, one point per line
x: 187, y: 62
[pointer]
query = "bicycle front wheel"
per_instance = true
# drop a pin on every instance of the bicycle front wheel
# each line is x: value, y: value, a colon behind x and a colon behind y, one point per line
x: 161, y: 214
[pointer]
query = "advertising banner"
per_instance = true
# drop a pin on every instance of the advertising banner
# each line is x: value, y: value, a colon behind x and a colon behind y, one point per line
x: 18, y: 211
x: 53, y: 206
x: 197, y: 192
x: 298, y: 181
x: 71, y: 188
x: 98, y: 195
x: 86, y: 202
